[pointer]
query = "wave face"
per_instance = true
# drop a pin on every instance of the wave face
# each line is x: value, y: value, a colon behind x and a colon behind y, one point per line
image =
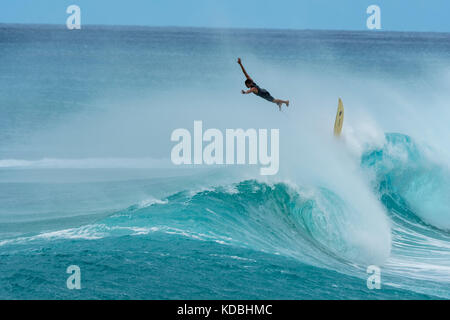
x: 310, y: 224
x: 407, y: 178
x: 414, y: 189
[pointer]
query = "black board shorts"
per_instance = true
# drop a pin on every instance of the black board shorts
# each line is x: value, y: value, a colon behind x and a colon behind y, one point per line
x: 263, y: 93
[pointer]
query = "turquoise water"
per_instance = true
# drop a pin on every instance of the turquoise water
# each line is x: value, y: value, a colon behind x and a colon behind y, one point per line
x: 85, y: 175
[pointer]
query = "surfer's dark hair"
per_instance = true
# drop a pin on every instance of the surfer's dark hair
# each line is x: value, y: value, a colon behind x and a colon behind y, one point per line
x: 249, y: 82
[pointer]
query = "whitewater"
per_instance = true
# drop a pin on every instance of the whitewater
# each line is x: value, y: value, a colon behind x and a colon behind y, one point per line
x: 86, y: 177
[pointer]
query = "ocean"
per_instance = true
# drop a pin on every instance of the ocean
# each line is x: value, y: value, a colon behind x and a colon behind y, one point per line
x: 86, y: 178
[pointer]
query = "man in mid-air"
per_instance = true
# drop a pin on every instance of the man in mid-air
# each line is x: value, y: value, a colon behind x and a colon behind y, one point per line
x: 263, y: 93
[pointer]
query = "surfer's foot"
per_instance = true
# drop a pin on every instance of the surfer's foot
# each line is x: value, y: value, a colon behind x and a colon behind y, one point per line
x: 279, y: 104
x: 287, y: 103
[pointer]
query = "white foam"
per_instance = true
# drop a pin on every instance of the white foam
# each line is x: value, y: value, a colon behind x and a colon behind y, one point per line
x: 88, y: 232
x: 149, y: 202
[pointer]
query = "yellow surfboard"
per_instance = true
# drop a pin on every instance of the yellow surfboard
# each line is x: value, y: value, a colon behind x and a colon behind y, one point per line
x: 339, y: 119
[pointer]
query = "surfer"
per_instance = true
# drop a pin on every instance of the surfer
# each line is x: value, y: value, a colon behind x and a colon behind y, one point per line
x: 263, y: 93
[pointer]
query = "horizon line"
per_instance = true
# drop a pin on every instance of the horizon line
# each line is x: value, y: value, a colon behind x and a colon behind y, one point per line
x: 220, y: 28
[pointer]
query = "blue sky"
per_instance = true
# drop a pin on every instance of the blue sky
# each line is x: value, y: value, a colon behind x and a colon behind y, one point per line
x: 396, y: 15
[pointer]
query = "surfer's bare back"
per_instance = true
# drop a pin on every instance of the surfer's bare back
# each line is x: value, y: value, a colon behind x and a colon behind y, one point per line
x: 263, y: 93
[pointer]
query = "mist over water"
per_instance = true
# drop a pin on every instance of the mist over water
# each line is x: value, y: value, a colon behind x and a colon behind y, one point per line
x: 85, y: 147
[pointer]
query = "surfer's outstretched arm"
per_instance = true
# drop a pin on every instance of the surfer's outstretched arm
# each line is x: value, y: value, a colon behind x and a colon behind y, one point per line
x: 248, y: 91
x: 243, y: 69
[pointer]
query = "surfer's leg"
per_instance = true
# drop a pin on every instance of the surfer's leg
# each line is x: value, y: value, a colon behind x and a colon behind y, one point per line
x: 280, y: 102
